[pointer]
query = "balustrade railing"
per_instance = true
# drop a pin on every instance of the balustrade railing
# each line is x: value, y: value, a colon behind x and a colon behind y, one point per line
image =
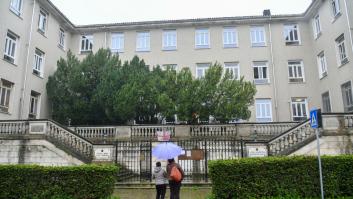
x: 69, y: 140
x: 96, y: 132
x: 150, y: 131
x: 271, y: 129
x: 213, y: 130
x: 284, y: 142
x: 13, y: 128
x: 348, y: 120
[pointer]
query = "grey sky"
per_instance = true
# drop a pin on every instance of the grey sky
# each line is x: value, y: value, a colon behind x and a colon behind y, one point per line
x: 110, y: 11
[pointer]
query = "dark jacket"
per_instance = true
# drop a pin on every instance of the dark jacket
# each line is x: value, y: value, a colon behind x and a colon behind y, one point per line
x: 171, y: 165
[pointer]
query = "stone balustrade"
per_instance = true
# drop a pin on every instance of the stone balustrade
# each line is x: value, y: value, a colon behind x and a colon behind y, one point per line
x: 13, y: 127
x: 142, y: 131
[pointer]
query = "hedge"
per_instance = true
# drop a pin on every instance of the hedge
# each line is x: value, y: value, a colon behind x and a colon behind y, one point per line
x: 294, y: 177
x: 69, y: 182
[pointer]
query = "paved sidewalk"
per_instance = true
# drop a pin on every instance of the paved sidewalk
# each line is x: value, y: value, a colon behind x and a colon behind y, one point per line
x: 148, y: 193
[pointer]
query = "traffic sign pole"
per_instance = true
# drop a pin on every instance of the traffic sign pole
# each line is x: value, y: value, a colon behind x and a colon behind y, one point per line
x: 319, y: 160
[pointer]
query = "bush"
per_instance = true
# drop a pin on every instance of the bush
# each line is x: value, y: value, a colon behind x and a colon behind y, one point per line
x: 32, y: 181
x: 294, y: 177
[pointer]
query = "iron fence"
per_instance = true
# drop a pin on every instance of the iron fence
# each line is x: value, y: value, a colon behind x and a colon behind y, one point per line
x: 137, y: 163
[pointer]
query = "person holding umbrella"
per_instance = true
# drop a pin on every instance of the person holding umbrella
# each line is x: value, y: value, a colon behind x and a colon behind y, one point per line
x: 175, y: 175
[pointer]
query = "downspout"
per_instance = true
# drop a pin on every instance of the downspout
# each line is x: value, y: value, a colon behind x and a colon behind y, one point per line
x: 105, y: 38
x: 23, y: 89
x: 349, y: 24
x: 273, y: 69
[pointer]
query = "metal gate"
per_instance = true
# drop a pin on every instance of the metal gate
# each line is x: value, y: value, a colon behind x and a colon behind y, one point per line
x: 135, y: 158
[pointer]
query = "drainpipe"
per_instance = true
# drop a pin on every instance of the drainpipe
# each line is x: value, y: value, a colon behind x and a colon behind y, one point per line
x: 349, y: 24
x: 273, y: 69
x: 23, y: 89
x: 105, y: 38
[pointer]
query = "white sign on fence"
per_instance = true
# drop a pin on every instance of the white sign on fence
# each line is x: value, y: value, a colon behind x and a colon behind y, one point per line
x: 102, y: 153
x: 163, y: 136
x: 257, y: 151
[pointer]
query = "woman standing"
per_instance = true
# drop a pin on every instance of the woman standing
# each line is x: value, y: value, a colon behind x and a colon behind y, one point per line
x: 161, y: 180
x: 174, y: 184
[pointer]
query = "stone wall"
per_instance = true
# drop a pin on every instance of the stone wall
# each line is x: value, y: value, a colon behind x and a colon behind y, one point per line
x: 28, y: 151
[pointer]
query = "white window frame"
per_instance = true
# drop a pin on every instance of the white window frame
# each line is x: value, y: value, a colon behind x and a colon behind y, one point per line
x: 326, y: 94
x: 5, y: 95
x: 16, y: 6
x: 317, y: 26
x: 86, y: 43
x: 43, y: 21
x: 61, y: 38
x: 260, y: 67
x: 118, y: 42
x: 201, y: 69
x: 257, y: 36
x: 34, y: 110
x: 202, y: 38
x: 11, y: 43
x: 335, y: 8
x: 347, y: 96
x: 38, y: 63
x: 169, y: 40
x: 230, y: 37
x: 291, y: 34
x: 143, y: 41
x: 234, y: 68
x: 341, y: 50
x: 296, y: 72
x: 263, y: 109
x: 322, y: 64
x: 299, y: 104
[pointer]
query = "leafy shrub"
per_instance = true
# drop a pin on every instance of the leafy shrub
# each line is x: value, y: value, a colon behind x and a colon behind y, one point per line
x: 32, y: 181
x: 283, y: 177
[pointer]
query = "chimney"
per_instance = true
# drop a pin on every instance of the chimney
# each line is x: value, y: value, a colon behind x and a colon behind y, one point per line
x: 267, y: 13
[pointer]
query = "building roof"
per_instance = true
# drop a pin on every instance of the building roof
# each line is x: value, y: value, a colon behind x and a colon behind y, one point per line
x: 182, y: 22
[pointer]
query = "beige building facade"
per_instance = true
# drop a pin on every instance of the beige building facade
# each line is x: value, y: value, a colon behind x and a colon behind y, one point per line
x: 297, y: 62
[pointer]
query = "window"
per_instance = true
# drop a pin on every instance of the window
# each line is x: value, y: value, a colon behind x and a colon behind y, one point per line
x: 260, y: 73
x: 326, y: 105
x: 321, y: 60
x: 42, y: 23
x: 263, y: 110
x: 299, y: 109
x: 257, y: 34
x: 347, y: 96
x: 335, y: 5
x: 16, y: 6
x: 143, y: 41
x: 291, y: 34
x: 86, y: 43
x: 233, y: 69
x: 38, y: 63
x: 230, y: 37
x: 201, y: 69
x: 33, y: 105
x: 317, y: 26
x: 169, y: 40
x: 118, y: 42
x: 341, y: 50
x: 61, y: 38
x: 5, y: 94
x: 202, y: 38
x: 171, y: 66
x: 295, y: 71
x: 10, y: 47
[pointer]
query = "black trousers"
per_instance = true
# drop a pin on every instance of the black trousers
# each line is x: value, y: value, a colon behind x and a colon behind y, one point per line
x: 174, y: 189
x: 161, y: 188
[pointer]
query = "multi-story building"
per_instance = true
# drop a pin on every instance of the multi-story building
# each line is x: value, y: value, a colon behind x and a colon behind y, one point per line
x: 296, y: 61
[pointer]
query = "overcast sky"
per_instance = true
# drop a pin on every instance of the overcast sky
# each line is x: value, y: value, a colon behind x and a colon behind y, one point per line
x: 82, y: 12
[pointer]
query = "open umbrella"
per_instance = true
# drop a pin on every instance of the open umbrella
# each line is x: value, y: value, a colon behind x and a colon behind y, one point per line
x: 166, y: 150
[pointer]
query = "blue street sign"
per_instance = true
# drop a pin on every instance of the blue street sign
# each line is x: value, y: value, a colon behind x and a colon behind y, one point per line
x: 314, y: 120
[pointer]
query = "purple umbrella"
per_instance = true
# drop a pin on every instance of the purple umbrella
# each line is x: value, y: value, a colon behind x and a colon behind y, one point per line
x: 166, y: 150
